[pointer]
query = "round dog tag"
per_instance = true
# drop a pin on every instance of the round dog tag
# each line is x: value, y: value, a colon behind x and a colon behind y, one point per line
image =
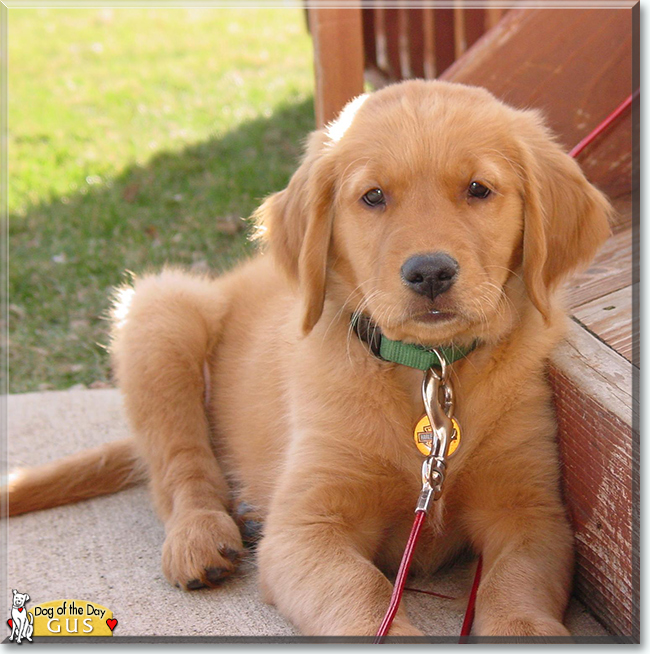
x: 423, y: 434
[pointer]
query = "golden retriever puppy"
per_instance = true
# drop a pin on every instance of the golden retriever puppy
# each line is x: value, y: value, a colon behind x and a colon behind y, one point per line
x: 444, y: 217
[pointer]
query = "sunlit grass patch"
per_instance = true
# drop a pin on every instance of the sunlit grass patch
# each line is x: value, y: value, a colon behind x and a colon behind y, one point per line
x: 135, y: 137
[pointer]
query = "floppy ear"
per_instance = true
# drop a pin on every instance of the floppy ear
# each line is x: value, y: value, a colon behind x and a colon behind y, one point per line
x: 566, y: 218
x: 297, y: 225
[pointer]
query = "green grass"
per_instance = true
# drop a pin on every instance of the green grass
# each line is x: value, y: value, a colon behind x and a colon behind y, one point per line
x: 132, y: 134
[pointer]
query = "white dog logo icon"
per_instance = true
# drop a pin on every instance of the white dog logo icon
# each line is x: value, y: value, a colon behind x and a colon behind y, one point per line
x: 22, y: 623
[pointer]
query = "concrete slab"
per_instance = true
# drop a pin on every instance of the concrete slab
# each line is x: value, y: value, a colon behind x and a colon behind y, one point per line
x: 107, y: 550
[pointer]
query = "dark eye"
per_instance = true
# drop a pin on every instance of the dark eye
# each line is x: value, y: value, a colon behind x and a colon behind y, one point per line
x: 374, y: 197
x: 477, y: 190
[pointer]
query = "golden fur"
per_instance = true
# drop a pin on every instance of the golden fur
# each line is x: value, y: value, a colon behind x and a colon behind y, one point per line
x: 313, y: 431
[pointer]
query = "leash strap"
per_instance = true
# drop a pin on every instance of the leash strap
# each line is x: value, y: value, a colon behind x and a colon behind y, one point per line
x: 402, y: 573
x: 471, y: 603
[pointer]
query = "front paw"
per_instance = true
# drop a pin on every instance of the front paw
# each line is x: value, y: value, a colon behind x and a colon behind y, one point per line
x: 524, y: 627
x: 201, y: 549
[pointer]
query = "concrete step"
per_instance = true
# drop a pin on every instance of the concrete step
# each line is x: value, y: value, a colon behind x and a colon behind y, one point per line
x: 107, y: 550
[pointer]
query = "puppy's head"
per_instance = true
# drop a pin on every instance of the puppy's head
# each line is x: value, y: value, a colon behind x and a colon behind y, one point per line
x: 421, y: 202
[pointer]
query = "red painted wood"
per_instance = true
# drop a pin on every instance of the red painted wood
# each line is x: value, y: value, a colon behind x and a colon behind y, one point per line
x: 391, y: 29
x: 416, y: 49
x: 444, y: 39
x: 369, y: 38
x: 597, y: 458
x: 474, y: 25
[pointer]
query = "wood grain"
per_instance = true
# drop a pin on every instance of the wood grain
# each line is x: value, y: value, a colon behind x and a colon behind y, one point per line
x: 338, y: 59
x: 443, y: 39
x: 611, y: 271
x: 392, y: 34
x: 369, y: 39
x: 573, y: 64
x: 493, y: 14
x: 601, y: 373
x: 415, y: 20
x: 611, y: 318
x: 596, y: 450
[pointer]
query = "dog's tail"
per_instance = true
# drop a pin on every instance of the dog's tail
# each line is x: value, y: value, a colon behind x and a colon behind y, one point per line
x: 99, y: 471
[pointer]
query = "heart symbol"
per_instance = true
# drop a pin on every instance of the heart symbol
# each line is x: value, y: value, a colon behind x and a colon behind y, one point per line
x: 10, y: 622
x: 112, y: 623
x: 20, y: 610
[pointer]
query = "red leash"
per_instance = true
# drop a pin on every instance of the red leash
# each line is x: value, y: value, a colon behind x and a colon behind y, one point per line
x: 402, y: 573
x: 471, y: 602
x: 604, y: 125
x: 400, y: 580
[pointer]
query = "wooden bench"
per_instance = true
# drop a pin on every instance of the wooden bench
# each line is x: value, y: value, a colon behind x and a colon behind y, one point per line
x: 577, y: 66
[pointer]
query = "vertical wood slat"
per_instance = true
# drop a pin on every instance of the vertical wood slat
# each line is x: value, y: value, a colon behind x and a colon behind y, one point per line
x: 403, y: 43
x: 414, y: 19
x: 460, y: 42
x: 369, y: 37
x: 338, y: 59
x: 469, y: 26
x: 444, y: 21
x: 391, y: 31
x: 380, y: 38
x: 398, y: 42
x: 597, y: 464
x: 493, y: 16
x: 475, y: 26
x: 429, y: 56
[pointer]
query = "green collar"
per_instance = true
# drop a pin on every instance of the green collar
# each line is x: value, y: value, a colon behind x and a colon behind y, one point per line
x: 406, y: 354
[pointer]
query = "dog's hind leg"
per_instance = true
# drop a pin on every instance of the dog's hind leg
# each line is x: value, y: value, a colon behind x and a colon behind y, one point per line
x: 161, y: 341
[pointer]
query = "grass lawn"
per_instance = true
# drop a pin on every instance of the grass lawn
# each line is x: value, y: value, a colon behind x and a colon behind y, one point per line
x: 135, y: 135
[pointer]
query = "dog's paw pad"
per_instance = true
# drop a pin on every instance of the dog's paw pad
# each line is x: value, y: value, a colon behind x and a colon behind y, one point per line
x: 230, y: 554
x: 195, y: 584
x: 215, y: 575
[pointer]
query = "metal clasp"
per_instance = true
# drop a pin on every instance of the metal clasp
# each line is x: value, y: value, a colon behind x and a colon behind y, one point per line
x: 439, y: 404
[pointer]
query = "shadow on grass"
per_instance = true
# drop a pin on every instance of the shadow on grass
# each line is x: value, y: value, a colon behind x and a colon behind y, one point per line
x: 67, y: 254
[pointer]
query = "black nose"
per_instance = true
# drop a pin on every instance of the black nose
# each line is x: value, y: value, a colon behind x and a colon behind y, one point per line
x: 430, y: 274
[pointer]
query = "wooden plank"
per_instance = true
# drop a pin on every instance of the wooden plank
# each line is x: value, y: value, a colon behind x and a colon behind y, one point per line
x: 369, y: 40
x: 611, y: 318
x: 403, y: 42
x: 416, y: 45
x: 608, y: 160
x: 573, y: 64
x: 611, y: 271
x: 475, y: 25
x: 460, y: 42
x: 443, y: 38
x: 380, y: 37
x: 493, y: 15
x: 597, y: 455
x: 602, y: 374
x: 338, y: 59
x: 596, y: 411
x: 392, y: 34
x: 429, y: 45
